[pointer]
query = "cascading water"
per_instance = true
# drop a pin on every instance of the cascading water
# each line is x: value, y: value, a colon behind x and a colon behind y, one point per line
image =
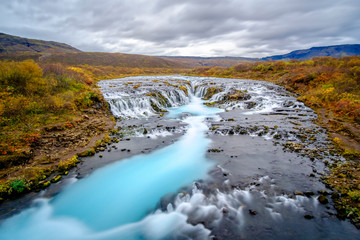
x: 140, y: 100
x: 246, y: 190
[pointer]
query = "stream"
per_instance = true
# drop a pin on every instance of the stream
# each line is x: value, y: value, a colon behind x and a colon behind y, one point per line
x: 194, y: 158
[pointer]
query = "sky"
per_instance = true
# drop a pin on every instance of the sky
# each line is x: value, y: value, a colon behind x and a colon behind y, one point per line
x: 207, y: 28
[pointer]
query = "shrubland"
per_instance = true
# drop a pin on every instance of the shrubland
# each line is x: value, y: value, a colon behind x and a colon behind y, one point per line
x: 33, y: 96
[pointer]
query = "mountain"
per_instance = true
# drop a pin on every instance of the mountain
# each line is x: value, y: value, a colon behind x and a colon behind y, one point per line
x: 331, y: 51
x: 13, y: 44
x: 208, y: 61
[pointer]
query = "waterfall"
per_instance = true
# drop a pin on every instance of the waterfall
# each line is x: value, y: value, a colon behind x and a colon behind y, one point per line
x: 136, y: 98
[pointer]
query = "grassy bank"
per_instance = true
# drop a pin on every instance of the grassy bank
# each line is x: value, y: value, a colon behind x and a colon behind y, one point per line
x: 47, y: 112
x: 331, y: 86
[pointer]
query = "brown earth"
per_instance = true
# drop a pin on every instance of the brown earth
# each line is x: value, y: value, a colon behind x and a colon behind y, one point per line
x: 59, y: 143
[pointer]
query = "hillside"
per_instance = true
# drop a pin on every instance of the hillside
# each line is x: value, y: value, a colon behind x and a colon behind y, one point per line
x: 329, y: 51
x: 110, y: 59
x: 12, y: 44
x: 208, y: 61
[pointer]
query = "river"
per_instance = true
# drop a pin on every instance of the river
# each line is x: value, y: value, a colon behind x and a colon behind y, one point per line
x: 236, y: 169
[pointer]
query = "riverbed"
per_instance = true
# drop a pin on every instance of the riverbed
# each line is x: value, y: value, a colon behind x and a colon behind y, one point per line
x: 244, y: 162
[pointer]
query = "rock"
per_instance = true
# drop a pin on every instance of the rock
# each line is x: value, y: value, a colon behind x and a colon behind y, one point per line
x: 298, y: 193
x: 225, y: 210
x: 309, y: 193
x: 252, y: 212
x: 101, y: 149
x: 323, y: 192
x: 308, y: 216
x: 322, y: 199
x: 100, y: 156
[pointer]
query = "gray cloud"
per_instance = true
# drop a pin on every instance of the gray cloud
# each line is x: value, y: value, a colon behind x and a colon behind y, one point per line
x: 252, y: 28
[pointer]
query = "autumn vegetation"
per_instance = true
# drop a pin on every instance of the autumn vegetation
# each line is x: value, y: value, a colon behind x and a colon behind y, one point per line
x: 33, y: 96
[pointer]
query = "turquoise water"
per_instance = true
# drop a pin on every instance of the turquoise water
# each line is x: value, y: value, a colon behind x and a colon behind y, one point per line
x: 116, y: 202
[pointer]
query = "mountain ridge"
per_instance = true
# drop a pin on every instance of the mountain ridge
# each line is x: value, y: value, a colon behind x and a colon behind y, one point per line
x: 323, y: 51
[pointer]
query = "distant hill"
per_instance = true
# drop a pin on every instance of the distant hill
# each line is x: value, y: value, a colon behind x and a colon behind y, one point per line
x: 110, y: 59
x: 208, y: 61
x: 13, y: 44
x: 18, y: 48
x: 332, y: 51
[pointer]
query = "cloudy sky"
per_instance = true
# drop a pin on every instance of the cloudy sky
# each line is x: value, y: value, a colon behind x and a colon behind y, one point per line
x: 251, y: 28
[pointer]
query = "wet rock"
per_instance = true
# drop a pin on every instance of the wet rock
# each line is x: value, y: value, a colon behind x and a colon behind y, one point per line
x: 252, y: 212
x: 250, y: 105
x: 323, y: 192
x: 298, y: 193
x: 322, y: 199
x: 309, y: 193
x: 214, y: 150
x: 225, y: 210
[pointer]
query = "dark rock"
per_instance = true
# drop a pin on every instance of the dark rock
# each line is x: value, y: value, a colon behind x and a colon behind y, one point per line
x: 309, y: 193
x: 322, y: 199
x: 225, y: 210
x: 308, y: 216
x: 252, y: 212
x: 323, y: 192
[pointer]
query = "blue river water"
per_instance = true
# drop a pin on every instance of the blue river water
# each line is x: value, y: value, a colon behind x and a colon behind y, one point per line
x: 117, y: 201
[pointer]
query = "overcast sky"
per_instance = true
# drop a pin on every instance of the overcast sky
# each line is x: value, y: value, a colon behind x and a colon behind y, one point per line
x: 251, y: 28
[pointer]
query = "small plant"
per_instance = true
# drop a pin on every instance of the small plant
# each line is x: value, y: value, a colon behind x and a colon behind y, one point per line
x: 17, y: 185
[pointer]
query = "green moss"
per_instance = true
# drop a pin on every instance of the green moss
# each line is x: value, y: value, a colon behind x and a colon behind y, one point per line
x: 90, y: 152
x: 209, y: 104
x: 67, y: 164
x: 56, y: 179
x: 354, y: 195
